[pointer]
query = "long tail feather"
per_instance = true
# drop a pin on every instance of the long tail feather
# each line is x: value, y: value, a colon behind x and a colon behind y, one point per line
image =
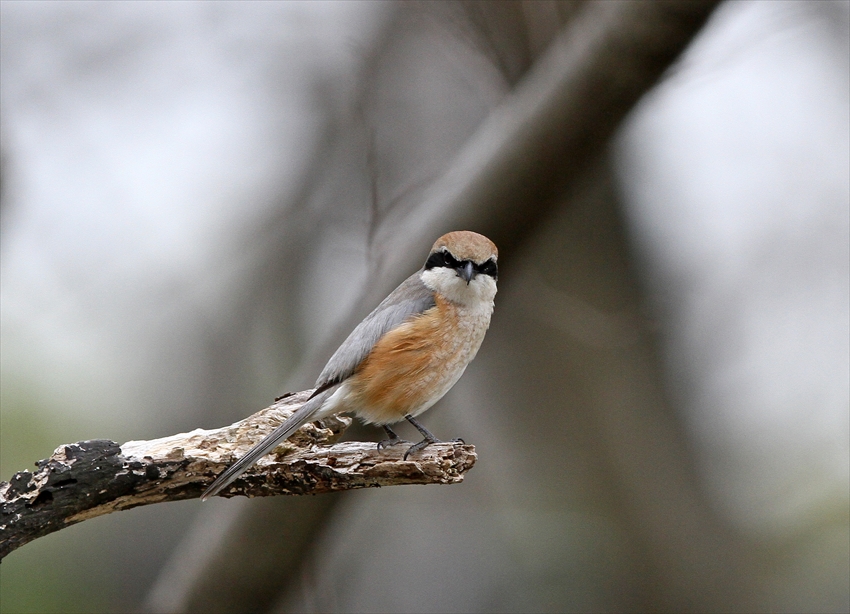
x: 302, y: 416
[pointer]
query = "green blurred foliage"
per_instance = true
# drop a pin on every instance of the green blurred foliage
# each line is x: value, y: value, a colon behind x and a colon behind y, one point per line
x: 27, y: 584
x: 100, y: 565
x: 29, y: 432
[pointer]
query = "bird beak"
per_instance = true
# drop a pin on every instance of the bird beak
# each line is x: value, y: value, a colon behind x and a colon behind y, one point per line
x: 466, y: 272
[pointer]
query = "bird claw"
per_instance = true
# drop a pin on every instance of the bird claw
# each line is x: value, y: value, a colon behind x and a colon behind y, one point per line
x: 420, y: 446
x: 393, y: 441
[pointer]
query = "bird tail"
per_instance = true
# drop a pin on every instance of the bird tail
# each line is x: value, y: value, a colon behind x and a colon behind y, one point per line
x: 302, y: 416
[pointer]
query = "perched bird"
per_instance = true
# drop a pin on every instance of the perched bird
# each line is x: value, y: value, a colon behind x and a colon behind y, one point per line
x: 407, y: 353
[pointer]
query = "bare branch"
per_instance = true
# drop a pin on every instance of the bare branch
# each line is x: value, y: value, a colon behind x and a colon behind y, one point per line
x: 91, y: 478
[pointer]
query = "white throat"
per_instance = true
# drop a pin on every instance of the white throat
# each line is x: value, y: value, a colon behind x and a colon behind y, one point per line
x: 446, y: 282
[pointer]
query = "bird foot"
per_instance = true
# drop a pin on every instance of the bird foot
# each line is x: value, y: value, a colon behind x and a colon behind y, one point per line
x: 420, y: 446
x: 392, y: 441
x: 425, y: 443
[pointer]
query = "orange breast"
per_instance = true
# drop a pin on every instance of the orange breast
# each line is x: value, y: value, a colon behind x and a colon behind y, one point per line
x: 415, y: 364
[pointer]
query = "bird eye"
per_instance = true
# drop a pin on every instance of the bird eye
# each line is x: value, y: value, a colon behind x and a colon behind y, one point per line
x: 438, y: 259
x: 489, y: 268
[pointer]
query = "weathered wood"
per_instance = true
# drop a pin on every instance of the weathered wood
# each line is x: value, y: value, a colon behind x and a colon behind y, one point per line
x: 91, y: 478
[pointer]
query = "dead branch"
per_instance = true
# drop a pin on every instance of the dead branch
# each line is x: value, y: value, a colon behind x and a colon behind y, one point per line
x: 91, y: 478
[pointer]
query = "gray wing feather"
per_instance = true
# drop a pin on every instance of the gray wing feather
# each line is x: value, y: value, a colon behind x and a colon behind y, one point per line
x: 411, y: 298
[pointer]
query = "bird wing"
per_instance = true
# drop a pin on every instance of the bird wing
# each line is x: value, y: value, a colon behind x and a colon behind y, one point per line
x: 411, y: 298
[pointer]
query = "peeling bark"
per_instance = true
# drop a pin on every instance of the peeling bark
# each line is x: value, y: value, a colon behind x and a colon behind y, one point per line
x: 91, y: 478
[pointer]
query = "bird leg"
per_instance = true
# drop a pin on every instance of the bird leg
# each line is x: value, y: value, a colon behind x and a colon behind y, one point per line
x: 393, y: 439
x: 429, y: 437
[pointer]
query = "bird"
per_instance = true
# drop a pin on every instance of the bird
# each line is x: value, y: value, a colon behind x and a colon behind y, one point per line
x: 405, y: 355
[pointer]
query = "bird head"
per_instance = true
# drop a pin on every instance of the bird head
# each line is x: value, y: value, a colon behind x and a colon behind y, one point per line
x: 462, y: 267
